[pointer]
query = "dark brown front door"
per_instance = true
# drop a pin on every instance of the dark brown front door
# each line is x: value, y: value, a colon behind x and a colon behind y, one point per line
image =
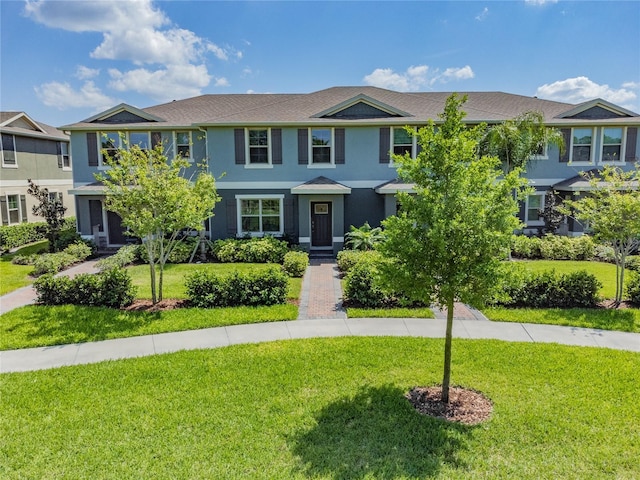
x: 116, y: 231
x: 321, y: 232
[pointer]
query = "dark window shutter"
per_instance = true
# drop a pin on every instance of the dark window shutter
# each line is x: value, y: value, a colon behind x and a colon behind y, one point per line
x: 632, y: 138
x: 289, y: 216
x: 59, y: 153
x: 4, y: 209
x: 566, y: 135
x: 339, y: 138
x: 239, y: 141
x: 156, y: 139
x: 92, y: 149
x: 232, y: 221
x: 23, y: 207
x: 276, y: 146
x: 303, y: 146
x: 385, y: 144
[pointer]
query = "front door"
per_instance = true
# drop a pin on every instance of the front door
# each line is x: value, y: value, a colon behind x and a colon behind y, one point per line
x: 321, y: 219
x: 116, y: 231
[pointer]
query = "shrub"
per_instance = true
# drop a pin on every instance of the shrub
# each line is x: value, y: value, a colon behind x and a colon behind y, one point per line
x: 24, y: 259
x: 525, y: 247
x: 362, y: 287
x: 604, y: 253
x: 80, y: 250
x: 522, y: 288
x: 107, y: 289
x: 125, y: 255
x: 182, y: 251
x: 346, y: 259
x: 553, y: 247
x: 52, y: 263
x: 633, y: 287
x: 253, y: 250
x: 295, y: 263
x: 206, y: 289
x: 364, y: 237
x: 633, y: 263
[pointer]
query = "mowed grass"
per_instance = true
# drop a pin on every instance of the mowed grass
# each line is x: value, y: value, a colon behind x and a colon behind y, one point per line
x: 13, y: 276
x: 326, y: 409
x: 390, y: 313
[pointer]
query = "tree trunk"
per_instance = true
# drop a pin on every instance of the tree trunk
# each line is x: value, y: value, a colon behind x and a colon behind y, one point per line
x: 152, y: 272
x: 446, y: 378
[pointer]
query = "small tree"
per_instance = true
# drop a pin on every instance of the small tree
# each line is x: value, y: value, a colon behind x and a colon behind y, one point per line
x: 448, y: 240
x: 551, y: 214
x: 50, y: 207
x: 515, y: 142
x: 612, y: 211
x: 157, y: 202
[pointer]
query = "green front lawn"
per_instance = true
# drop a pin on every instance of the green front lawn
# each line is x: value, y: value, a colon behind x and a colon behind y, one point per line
x: 13, y: 276
x: 325, y: 409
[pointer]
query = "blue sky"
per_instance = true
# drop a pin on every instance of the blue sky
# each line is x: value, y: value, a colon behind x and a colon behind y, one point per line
x: 63, y: 61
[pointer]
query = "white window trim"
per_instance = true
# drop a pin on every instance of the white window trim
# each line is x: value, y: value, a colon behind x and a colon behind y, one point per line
x: 414, y: 146
x: 534, y: 223
x: 332, y: 163
x: 593, y: 147
x: 15, y: 155
x: 247, y: 150
x: 101, y: 164
x: 20, y: 219
x: 68, y: 155
x: 623, y: 146
x: 175, y: 144
x: 239, y: 198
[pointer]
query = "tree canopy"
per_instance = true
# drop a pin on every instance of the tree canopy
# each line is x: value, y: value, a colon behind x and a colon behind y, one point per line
x: 156, y: 201
x: 448, y: 239
x: 49, y: 207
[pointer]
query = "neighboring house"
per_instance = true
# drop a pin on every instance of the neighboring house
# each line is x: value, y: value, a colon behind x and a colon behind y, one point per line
x: 32, y: 150
x: 308, y: 166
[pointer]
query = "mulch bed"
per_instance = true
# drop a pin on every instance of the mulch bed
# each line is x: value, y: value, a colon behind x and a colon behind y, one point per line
x: 465, y: 406
x: 139, y: 305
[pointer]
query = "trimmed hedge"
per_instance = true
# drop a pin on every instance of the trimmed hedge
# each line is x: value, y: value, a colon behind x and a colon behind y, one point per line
x: 523, y: 288
x: 347, y: 259
x: 55, y: 262
x: 112, y: 288
x: 295, y: 263
x: 13, y: 236
x: 253, y: 250
x: 207, y: 289
x: 553, y: 247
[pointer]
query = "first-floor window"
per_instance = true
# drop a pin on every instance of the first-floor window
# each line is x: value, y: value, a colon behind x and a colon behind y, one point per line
x: 13, y: 207
x: 260, y: 215
x: 535, y: 203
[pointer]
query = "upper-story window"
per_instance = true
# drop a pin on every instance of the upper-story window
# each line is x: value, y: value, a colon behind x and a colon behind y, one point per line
x: 612, y: 144
x: 581, y: 145
x: 110, y: 143
x: 321, y: 141
x: 9, y: 151
x: 64, y: 159
x: 258, y: 146
x: 403, y: 142
x: 139, y: 139
x: 183, y: 145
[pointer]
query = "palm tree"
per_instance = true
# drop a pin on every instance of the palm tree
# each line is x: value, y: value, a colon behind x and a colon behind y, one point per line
x: 363, y: 238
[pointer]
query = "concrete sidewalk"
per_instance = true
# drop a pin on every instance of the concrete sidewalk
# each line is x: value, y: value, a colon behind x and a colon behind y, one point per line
x: 92, y: 352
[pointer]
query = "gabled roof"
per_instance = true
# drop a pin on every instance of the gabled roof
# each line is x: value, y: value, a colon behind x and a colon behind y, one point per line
x: 598, y: 102
x: 394, y: 186
x: 581, y: 183
x: 321, y: 186
x: 19, y: 123
x: 376, y: 106
x: 121, y: 108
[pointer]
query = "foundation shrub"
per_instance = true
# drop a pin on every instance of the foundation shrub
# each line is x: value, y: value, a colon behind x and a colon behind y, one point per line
x: 525, y: 247
x: 183, y: 250
x: 125, y: 255
x: 347, y: 259
x: 295, y: 263
x: 253, y: 250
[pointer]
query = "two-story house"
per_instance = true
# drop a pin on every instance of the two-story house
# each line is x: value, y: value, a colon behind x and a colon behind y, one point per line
x: 310, y: 165
x: 36, y: 151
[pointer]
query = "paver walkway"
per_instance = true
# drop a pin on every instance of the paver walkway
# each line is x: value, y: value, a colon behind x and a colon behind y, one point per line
x: 321, y: 295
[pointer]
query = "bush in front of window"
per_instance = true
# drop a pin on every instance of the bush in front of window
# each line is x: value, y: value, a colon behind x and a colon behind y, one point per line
x: 112, y: 288
x: 295, y: 263
x: 262, y: 288
x: 252, y: 250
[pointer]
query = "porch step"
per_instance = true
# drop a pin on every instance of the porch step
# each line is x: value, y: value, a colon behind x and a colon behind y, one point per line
x: 322, y: 254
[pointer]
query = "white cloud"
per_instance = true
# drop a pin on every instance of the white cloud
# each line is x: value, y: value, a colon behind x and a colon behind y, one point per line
x: 63, y: 96
x: 221, y: 82
x: 85, y: 73
x: 581, y: 89
x: 483, y: 15
x: 171, y: 83
x: 415, y: 77
x: 538, y: 3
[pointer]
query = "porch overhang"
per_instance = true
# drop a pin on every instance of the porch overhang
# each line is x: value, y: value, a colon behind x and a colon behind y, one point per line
x: 394, y: 186
x: 580, y: 183
x: 321, y: 186
x: 96, y: 188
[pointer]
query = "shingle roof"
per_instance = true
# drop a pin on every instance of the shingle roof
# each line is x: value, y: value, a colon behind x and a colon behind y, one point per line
x: 302, y: 109
x: 48, y: 131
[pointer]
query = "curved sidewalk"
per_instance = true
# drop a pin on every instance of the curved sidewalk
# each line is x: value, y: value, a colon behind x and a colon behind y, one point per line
x: 92, y: 352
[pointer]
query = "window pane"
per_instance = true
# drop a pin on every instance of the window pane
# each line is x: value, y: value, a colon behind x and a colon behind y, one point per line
x: 321, y: 155
x: 534, y: 201
x: 250, y: 224
x: 250, y: 207
x: 271, y: 207
x: 8, y: 150
x: 611, y: 153
x: 110, y: 140
x: 401, y: 149
x: 581, y: 154
x: 401, y: 137
x: 258, y: 138
x: 321, y: 137
x: 141, y: 139
x: 271, y: 224
x: 12, y: 201
x: 258, y: 155
x: 182, y: 138
x: 582, y: 136
x: 613, y: 136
